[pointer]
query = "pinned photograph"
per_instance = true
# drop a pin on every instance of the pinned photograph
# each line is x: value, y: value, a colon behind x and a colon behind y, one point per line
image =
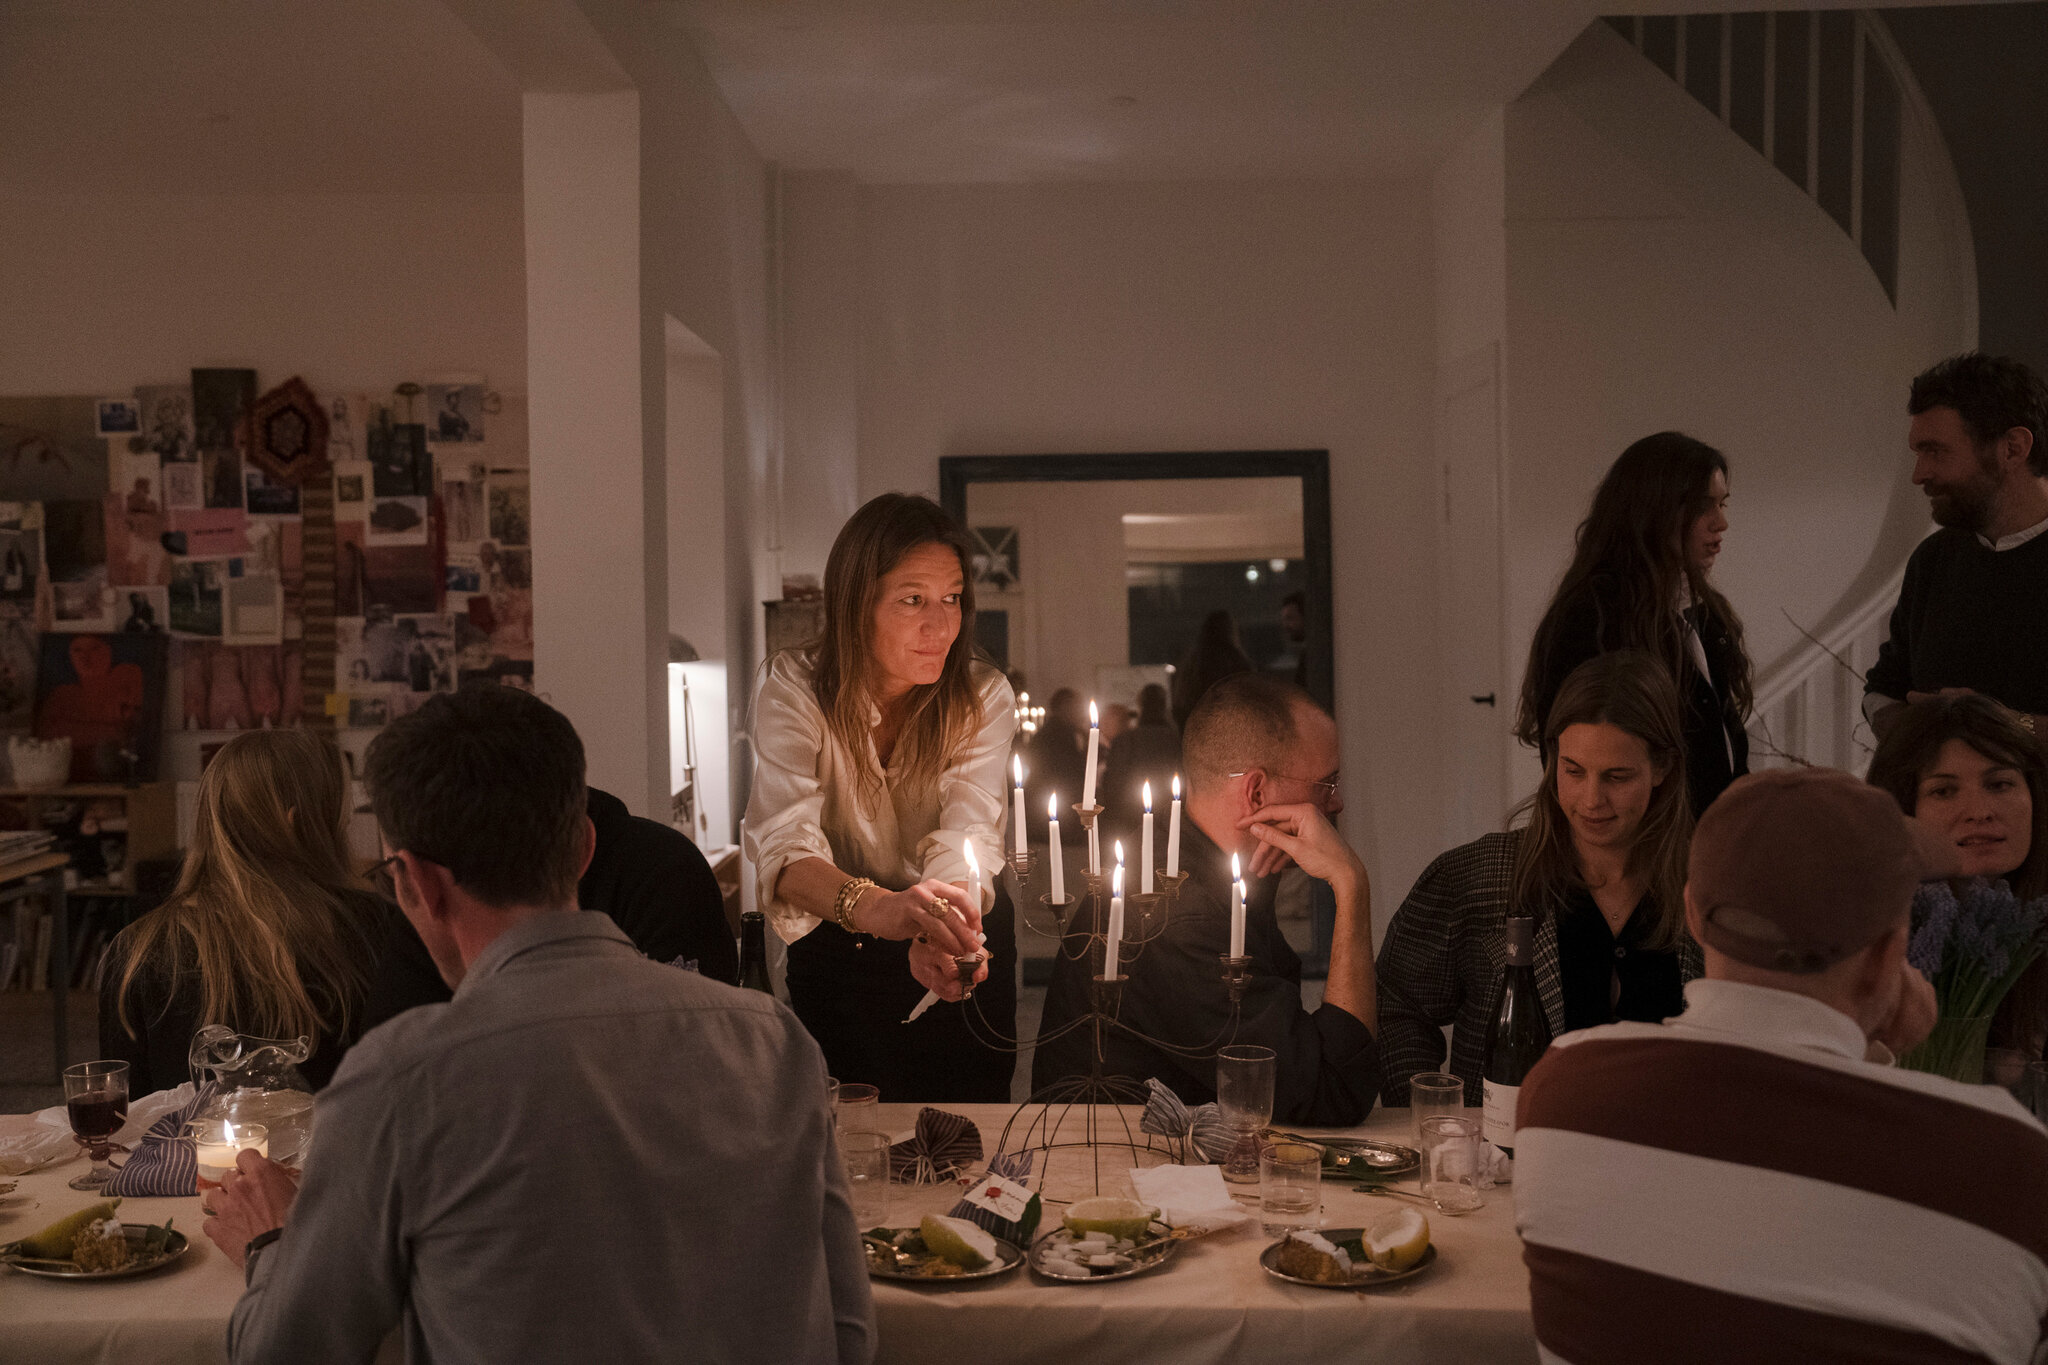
x: 462, y: 503
x: 18, y: 648
x: 210, y: 532
x: 21, y: 554
x: 49, y: 449
x: 402, y: 578
x: 509, y: 519
x: 145, y: 611
x: 398, y: 521
x: 220, y: 477
x: 349, y: 418
x: 455, y: 412
x: 181, y: 487
x: 400, y: 465
x: 350, y: 568
x: 166, y: 411
x: 136, y: 556
x: 465, y: 576
x: 196, y: 591
x: 75, y: 556
x: 220, y: 399
x: 351, y: 490
x: 368, y: 713
x: 137, y: 478
x: 430, y: 654
x: 253, y: 609
x: 105, y: 693
x: 117, y: 417
x: 268, y: 496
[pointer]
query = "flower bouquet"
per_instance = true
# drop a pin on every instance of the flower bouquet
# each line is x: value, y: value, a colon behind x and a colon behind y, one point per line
x: 1972, y: 947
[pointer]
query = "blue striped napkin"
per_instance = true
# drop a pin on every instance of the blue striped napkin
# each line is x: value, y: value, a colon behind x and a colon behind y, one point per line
x: 163, y: 1163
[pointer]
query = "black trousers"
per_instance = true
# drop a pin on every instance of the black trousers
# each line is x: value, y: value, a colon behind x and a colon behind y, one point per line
x: 853, y: 992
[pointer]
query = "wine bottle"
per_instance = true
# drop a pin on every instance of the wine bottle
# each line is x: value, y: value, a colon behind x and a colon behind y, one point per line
x: 1516, y: 1036
x: 754, y: 953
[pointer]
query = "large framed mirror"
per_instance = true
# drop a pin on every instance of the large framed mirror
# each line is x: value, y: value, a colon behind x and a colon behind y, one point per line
x: 1104, y: 573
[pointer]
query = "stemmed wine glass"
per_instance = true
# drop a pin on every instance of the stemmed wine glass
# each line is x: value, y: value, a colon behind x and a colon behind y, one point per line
x: 1244, y: 1100
x: 96, y: 1098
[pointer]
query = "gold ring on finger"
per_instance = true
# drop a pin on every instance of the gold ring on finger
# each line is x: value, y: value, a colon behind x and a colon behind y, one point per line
x: 939, y: 908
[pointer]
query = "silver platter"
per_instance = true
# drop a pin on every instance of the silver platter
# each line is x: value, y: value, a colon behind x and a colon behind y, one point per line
x: 1362, y: 1277
x: 1008, y: 1258
x: 1148, y: 1257
x: 175, y: 1245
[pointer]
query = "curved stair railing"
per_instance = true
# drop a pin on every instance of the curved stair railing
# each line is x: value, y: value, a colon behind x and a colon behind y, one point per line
x: 1809, y: 705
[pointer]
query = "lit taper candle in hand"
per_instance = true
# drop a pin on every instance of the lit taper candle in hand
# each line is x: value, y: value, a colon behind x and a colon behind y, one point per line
x: 1023, y: 840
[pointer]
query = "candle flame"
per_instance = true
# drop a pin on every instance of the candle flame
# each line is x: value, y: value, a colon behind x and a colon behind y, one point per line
x: 1052, y: 808
x: 1094, y: 717
x: 1148, y: 798
x: 1119, y: 853
x: 1017, y: 769
x: 1176, y: 786
x: 1235, y: 875
x: 973, y: 867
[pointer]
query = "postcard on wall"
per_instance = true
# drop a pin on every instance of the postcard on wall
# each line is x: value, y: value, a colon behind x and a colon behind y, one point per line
x: 49, y: 449
x: 21, y: 555
x: 196, y: 592
x: 462, y: 503
x: 253, y: 609
x: 401, y: 466
x: 136, y: 477
x: 166, y: 411
x: 398, y: 521
x: 181, y: 487
x: 75, y: 556
x: 509, y: 507
x: 220, y: 477
x: 351, y: 490
x: 220, y: 399
x: 136, y: 555
x: 349, y: 568
x: 349, y: 418
x: 19, y: 646
x: 267, y: 496
x: 402, y: 578
x: 465, y: 574
x: 117, y: 419
x: 144, y: 611
x: 455, y: 413
x: 211, y: 533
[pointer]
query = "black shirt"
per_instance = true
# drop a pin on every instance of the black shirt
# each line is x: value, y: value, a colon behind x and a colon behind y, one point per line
x: 1607, y: 977
x: 1328, y: 1071
x: 1970, y: 616
x: 656, y: 885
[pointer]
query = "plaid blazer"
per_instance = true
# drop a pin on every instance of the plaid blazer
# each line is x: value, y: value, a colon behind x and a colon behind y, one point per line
x: 1442, y: 959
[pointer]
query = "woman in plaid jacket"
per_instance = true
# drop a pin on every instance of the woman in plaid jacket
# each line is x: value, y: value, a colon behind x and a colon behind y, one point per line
x: 1598, y: 860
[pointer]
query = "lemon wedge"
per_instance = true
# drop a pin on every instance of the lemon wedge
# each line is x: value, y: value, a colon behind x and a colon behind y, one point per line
x: 1124, y: 1218
x: 1397, y: 1240
x: 958, y: 1241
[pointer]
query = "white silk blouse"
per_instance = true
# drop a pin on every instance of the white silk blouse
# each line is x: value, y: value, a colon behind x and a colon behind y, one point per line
x: 810, y: 799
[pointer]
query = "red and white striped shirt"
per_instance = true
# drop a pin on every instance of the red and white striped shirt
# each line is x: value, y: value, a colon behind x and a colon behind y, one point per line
x: 1738, y: 1184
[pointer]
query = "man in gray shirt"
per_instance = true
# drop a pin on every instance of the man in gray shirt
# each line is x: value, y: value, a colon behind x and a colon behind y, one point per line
x: 584, y: 1155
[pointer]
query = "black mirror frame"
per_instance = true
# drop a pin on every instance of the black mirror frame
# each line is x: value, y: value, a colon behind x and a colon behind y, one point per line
x: 1312, y: 467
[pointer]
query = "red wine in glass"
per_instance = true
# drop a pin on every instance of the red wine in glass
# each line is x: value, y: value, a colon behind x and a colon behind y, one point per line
x: 98, y: 1113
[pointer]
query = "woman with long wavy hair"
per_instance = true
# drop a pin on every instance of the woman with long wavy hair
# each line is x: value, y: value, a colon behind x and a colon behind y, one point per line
x: 1597, y: 860
x: 1639, y: 580
x: 881, y: 758
x: 270, y: 930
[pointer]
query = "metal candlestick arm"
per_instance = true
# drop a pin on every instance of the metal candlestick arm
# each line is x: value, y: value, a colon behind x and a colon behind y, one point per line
x: 1237, y: 973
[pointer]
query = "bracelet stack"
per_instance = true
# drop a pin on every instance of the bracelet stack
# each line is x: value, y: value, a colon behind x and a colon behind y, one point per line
x: 849, y: 897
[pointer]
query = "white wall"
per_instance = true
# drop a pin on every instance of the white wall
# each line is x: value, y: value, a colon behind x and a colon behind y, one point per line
x: 1075, y: 319
x: 1662, y: 275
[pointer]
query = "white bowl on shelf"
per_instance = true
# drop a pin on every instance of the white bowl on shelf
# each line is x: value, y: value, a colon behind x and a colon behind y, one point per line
x: 37, y: 764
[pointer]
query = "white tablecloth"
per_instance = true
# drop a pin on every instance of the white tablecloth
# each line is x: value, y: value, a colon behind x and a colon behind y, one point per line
x: 1214, y: 1304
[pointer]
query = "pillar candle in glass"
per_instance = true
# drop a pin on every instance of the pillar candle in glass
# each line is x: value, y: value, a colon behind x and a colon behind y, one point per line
x: 218, y: 1143
x: 1173, y: 832
x: 1145, y: 846
x: 1023, y: 843
x: 1058, y: 870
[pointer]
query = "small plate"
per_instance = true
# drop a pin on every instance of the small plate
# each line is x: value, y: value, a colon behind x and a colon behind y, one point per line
x: 1148, y: 1256
x: 1366, y: 1277
x: 175, y: 1245
x: 1361, y: 1158
x: 1008, y: 1258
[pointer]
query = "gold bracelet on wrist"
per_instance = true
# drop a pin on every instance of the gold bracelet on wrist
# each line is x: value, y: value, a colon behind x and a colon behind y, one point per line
x: 849, y: 897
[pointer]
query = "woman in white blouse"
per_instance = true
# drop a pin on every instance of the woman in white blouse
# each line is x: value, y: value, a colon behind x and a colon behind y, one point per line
x: 880, y: 758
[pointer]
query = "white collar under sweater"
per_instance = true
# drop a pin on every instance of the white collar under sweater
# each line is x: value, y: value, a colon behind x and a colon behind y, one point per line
x: 2016, y: 539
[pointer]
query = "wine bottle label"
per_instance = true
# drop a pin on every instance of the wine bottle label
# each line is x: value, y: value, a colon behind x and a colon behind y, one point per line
x: 1500, y: 1113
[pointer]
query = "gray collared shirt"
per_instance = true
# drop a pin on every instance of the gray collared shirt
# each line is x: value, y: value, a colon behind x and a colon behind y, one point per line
x: 583, y: 1156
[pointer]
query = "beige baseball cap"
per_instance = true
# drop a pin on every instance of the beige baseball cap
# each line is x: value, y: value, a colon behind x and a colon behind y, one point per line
x: 1795, y: 869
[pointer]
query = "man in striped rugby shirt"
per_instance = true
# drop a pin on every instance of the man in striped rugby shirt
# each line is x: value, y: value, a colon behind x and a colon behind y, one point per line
x: 1741, y: 1183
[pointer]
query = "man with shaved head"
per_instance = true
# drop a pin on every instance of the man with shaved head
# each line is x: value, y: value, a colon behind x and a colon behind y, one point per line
x: 1260, y: 760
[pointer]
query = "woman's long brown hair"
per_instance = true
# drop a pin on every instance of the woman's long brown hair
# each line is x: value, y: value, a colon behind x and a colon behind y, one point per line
x: 941, y: 717
x: 262, y: 917
x: 1914, y: 744
x: 1630, y: 691
x: 1633, y: 540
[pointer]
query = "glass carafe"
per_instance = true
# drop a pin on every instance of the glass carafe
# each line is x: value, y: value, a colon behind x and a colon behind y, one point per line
x: 255, y: 1080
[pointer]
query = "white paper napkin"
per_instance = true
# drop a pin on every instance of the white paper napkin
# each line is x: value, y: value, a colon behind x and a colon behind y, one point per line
x: 49, y: 1139
x: 1189, y: 1196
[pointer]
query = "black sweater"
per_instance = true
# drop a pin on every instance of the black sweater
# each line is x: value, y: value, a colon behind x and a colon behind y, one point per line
x: 656, y: 885
x: 1969, y: 616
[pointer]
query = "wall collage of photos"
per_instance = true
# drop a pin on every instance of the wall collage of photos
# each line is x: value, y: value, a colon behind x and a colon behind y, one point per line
x: 155, y: 574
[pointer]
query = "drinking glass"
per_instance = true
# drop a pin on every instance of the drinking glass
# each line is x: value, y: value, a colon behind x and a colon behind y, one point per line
x: 96, y: 1099
x: 218, y: 1143
x: 1450, y: 1164
x: 857, y: 1109
x: 1430, y: 1094
x: 1290, y: 1188
x: 832, y: 1097
x: 1244, y: 1101
x: 867, y: 1177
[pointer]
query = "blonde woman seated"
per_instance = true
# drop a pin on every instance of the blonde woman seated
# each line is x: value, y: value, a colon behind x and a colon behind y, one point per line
x: 1599, y: 864
x: 270, y: 931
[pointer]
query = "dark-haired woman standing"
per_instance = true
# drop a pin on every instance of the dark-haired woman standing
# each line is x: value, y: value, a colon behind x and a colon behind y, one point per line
x: 1638, y: 580
x: 881, y: 759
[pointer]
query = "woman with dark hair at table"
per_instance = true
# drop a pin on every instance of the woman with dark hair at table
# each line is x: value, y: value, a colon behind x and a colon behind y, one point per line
x: 881, y: 759
x: 1966, y: 769
x: 1598, y: 862
x: 1639, y: 580
x: 269, y: 931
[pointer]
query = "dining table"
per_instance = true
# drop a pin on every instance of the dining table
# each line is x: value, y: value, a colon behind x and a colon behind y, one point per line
x: 1211, y: 1303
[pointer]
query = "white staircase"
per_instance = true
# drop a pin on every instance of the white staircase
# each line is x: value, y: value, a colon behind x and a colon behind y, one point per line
x: 1809, y: 705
